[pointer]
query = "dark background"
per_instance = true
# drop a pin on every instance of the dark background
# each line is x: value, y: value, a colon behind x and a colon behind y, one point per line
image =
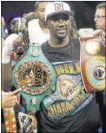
x: 84, y: 11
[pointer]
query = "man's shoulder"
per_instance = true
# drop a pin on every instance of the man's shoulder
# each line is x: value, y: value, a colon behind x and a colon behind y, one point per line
x: 44, y: 44
x: 75, y: 38
x: 76, y: 42
x: 34, y: 21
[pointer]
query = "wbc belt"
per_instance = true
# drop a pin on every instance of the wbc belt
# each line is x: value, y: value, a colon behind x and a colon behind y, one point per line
x: 92, y: 60
x: 34, y: 75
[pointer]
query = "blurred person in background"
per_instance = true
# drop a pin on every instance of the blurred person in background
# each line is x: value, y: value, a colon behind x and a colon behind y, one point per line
x: 37, y: 28
x: 33, y: 29
x: 100, y: 23
x: 4, y: 31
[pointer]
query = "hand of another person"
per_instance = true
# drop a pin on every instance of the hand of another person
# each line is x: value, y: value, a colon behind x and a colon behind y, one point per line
x: 9, y: 99
x: 19, y: 40
x: 19, y: 45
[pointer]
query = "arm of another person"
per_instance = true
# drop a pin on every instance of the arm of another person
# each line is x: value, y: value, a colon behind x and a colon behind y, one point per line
x: 9, y: 99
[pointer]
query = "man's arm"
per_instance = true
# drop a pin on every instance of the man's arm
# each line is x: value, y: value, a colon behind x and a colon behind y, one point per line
x: 8, y: 48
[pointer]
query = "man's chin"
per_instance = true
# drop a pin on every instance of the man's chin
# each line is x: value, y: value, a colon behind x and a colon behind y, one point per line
x: 61, y: 35
x: 97, y: 27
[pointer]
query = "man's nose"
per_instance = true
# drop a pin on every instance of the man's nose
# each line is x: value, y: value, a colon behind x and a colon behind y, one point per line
x: 61, y: 22
x: 95, y: 19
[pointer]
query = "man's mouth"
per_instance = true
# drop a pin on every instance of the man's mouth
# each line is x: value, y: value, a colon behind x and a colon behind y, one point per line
x: 61, y: 31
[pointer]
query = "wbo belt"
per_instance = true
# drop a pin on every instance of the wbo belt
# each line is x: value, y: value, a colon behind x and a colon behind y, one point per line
x: 92, y: 62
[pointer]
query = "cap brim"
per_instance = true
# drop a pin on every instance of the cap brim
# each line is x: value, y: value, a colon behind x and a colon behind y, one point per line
x: 70, y: 13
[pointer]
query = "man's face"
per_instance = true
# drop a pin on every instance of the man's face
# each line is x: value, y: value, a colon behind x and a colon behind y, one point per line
x: 59, y: 25
x: 100, y: 19
x: 41, y: 11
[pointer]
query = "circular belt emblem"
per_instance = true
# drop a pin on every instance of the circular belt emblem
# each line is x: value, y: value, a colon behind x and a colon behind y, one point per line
x: 33, y: 77
x: 96, y: 72
x: 92, y: 47
x: 99, y: 72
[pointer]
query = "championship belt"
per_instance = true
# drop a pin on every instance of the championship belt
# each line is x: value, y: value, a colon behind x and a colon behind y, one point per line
x: 93, y: 67
x: 35, y: 76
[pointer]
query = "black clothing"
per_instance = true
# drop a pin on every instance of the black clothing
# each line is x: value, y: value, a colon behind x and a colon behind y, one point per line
x: 68, y: 108
x: 102, y: 108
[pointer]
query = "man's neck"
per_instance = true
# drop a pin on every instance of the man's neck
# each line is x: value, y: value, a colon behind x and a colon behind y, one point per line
x: 43, y: 27
x: 58, y: 43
